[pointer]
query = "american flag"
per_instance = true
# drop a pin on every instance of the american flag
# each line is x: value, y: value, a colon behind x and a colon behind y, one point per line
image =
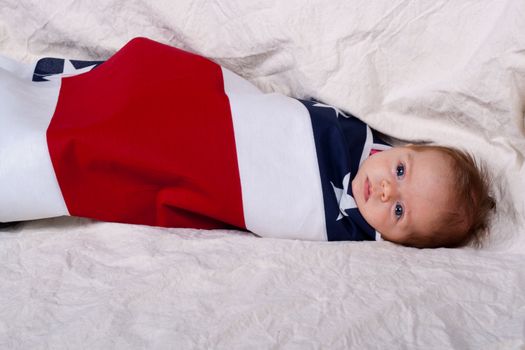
x: 159, y: 136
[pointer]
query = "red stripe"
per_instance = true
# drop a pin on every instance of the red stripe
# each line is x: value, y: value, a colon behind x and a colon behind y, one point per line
x: 147, y: 138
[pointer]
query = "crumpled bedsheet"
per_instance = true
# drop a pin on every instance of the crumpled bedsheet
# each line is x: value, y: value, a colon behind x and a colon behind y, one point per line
x: 450, y: 72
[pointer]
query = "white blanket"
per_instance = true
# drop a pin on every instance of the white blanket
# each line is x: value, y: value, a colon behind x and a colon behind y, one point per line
x: 450, y: 72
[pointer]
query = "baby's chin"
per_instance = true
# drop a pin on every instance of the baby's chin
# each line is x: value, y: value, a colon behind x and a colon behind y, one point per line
x: 358, y: 192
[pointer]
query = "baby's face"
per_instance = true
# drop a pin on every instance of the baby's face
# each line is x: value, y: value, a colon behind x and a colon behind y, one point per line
x: 401, y: 190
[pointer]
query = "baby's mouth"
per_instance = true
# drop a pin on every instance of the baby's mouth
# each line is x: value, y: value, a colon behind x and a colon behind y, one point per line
x: 367, y: 189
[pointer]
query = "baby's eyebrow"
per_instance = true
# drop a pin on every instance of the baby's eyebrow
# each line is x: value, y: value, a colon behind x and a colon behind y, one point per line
x: 409, y: 166
x: 409, y: 163
x: 408, y: 215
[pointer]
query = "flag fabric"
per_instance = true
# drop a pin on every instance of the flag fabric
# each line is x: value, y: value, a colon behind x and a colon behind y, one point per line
x: 159, y: 136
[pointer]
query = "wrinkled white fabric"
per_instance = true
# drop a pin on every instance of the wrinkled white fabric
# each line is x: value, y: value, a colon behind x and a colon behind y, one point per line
x: 451, y: 72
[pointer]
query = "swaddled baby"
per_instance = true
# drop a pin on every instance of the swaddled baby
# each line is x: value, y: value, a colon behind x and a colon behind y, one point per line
x: 159, y: 136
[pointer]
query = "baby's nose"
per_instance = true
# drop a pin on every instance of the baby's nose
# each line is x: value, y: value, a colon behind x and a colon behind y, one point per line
x: 388, y: 190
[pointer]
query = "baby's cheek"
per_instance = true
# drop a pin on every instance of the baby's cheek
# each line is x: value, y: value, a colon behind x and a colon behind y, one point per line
x: 373, y: 214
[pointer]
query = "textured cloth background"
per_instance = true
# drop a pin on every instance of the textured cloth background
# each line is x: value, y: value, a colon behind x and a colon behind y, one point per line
x: 447, y: 71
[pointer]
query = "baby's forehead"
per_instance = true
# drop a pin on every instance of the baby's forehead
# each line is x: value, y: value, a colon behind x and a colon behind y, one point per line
x: 431, y: 193
x: 435, y: 154
x: 428, y: 209
x: 433, y: 161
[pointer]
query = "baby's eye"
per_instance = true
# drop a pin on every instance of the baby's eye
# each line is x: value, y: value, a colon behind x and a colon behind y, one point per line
x: 398, y: 211
x: 400, y: 170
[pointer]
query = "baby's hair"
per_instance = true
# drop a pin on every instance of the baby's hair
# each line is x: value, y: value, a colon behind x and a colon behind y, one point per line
x: 467, y: 219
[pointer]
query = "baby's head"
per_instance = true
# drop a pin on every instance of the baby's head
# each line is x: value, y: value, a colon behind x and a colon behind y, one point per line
x: 423, y: 196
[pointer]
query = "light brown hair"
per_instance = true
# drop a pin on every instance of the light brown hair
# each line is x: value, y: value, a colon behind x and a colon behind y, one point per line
x: 467, y: 218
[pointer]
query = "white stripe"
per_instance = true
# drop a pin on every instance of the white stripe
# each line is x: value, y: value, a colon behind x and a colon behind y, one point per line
x: 22, y: 71
x: 367, y: 147
x: 380, y: 147
x: 280, y: 180
x: 28, y: 186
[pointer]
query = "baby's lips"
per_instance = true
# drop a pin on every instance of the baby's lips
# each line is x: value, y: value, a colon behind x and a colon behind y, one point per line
x: 367, y: 190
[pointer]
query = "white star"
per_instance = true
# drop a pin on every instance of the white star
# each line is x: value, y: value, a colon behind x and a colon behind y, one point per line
x: 346, y: 201
x: 69, y: 70
x: 370, y: 145
x: 336, y: 110
x: 367, y: 147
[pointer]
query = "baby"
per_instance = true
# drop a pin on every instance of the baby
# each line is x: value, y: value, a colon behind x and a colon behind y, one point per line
x: 159, y: 136
x: 424, y: 196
